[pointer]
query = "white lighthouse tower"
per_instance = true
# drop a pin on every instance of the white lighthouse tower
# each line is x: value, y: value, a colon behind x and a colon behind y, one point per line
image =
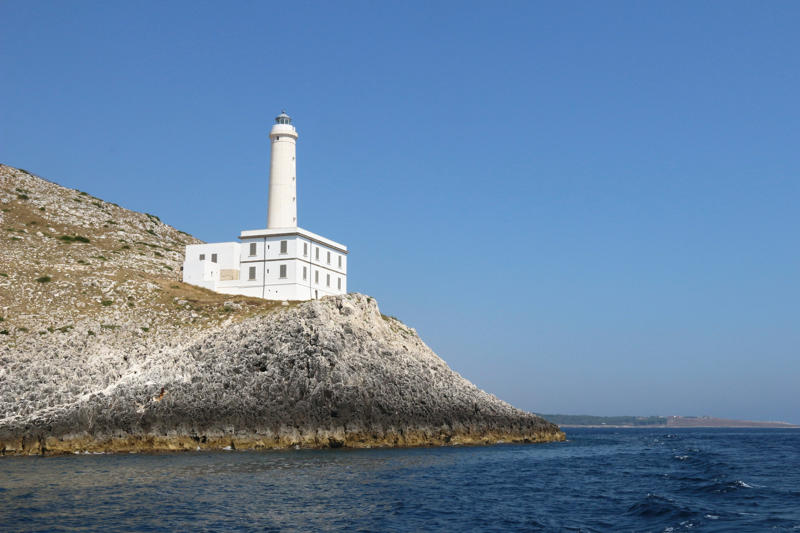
x: 282, y: 261
x: 282, y: 209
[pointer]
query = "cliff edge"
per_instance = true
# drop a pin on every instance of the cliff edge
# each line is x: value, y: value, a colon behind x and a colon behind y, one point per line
x: 103, y: 349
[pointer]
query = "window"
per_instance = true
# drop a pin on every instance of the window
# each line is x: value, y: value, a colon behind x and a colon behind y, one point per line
x: 283, y: 247
x: 329, y: 258
x: 202, y: 257
x: 304, y: 273
x: 252, y: 248
x: 318, y: 253
x: 340, y: 284
x: 316, y: 276
x: 252, y: 274
x: 213, y: 258
x: 305, y: 249
x: 340, y: 261
x: 283, y: 271
x: 328, y: 281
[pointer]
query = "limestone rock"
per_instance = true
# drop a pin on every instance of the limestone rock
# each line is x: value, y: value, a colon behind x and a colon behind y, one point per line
x: 116, y: 354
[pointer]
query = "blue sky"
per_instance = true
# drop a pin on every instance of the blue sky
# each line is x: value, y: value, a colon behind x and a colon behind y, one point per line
x: 583, y: 207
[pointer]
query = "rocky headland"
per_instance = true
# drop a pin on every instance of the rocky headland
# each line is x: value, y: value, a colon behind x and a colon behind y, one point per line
x: 103, y: 349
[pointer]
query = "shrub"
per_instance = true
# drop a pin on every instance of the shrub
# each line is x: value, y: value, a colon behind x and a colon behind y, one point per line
x: 23, y: 196
x: 42, y: 208
x: 3, y: 274
x: 106, y: 303
x: 44, y: 279
x: 151, y: 232
x: 2, y: 319
x: 73, y: 238
x: 145, y: 329
x: 4, y: 332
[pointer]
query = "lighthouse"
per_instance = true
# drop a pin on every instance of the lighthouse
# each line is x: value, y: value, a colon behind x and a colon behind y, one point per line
x: 282, y: 261
x: 282, y: 208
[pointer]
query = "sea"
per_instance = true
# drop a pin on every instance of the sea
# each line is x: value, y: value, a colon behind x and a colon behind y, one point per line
x: 603, y: 479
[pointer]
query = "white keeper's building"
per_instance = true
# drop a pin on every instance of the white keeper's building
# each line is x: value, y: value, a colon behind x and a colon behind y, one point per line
x: 281, y: 262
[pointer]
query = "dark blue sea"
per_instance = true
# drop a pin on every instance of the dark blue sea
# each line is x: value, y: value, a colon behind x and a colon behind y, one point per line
x: 600, y: 480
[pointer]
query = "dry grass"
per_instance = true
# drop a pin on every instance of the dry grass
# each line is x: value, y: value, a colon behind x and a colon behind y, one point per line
x: 101, y: 262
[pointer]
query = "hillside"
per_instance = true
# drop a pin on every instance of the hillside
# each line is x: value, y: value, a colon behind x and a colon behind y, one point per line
x: 102, y: 348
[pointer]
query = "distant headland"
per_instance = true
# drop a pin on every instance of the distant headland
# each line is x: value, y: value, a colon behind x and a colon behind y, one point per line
x: 567, y: 421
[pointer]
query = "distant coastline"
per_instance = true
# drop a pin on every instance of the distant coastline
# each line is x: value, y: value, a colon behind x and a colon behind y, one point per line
x: 589, y: 421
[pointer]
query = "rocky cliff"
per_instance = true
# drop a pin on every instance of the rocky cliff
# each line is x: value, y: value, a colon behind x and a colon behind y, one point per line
x: 103, y: 349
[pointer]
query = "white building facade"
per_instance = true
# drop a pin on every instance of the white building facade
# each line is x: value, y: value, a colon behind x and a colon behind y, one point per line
x: 281, y: 262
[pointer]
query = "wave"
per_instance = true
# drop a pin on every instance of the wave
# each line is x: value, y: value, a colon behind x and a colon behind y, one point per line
x: 654, y: 506
x: 719, y: 487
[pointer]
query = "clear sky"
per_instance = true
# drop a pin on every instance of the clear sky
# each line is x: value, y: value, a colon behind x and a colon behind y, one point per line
x: 587, y: 207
